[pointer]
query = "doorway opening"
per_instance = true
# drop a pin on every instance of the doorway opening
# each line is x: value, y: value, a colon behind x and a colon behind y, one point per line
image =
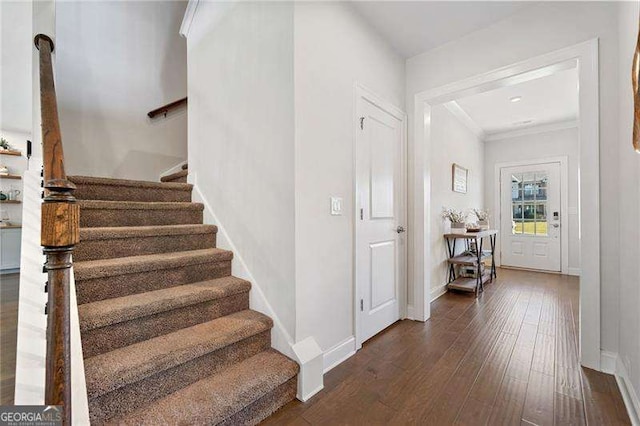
x: 534, y: 216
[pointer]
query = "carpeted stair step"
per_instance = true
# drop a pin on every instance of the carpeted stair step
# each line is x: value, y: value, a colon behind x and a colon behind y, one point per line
x: 129, y: 378
x: 95, y: 188
x: 243, y: 394
x: 122, y: 276
x: 122, y: 241
x: 113, y: 323
x: 94, y: 213
x: 180, y: 176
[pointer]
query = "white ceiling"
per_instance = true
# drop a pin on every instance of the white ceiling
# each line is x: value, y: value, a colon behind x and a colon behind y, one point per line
x: 413, y: 27
x: 546, y: 100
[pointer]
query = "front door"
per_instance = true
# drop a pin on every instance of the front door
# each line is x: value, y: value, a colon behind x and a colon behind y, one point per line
x: 380, y: 237
x: 530, y: 217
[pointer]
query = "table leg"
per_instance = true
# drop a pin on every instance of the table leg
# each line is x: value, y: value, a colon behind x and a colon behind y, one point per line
x: 451, y: 248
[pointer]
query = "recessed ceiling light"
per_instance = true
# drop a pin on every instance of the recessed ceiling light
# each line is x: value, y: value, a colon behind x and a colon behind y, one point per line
x: 516, y: 99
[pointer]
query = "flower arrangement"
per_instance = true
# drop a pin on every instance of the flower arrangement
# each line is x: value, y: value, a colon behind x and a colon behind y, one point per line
x: 454, y: 216
x: 4, y: 144
x: 481, y: 214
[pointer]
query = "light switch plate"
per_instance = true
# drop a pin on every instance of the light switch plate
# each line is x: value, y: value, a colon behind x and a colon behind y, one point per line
x: 336, y: 206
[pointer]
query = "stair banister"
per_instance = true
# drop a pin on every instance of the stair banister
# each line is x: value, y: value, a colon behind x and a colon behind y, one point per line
x: 59, y: 235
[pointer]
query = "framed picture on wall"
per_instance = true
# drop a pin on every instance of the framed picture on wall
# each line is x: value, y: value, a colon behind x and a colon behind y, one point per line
x: 459, y: 177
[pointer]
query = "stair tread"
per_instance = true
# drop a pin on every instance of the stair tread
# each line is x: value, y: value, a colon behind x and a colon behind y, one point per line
x: 139, y: 205
x: 218, y: 397
x: 112, y: 370
x: 92, y: 180
x: 90, y: 269
x: 114, y: 232
x: 176, y: 175
x: 120, y: 309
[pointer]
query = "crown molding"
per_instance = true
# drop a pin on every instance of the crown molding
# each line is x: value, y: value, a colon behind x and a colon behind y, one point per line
x: 187, y: 19
x: 454, y: 108
x: 542, y: 128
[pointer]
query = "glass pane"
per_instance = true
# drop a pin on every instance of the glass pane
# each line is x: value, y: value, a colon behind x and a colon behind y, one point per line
x: 541, y: 219
x: 541, y: 194
x: 516, y: 187
x: 516, y: 217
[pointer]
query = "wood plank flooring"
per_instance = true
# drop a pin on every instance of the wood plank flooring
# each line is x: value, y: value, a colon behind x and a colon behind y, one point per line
x: 511, y: 358
x: 8, y: 334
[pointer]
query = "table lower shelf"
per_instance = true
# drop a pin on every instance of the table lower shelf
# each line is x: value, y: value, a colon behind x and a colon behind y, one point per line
x: 468, y: 259
x: 468, y: 284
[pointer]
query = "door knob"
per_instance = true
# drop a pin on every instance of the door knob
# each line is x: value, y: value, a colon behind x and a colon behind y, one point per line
x: 400, y: 229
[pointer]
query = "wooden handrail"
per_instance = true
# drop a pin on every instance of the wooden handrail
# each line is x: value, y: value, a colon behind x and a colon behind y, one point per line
x: 60, y: 232
x: 163, y: 110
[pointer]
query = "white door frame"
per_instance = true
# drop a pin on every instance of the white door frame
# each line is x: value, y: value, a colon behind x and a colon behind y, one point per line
x: 564, y: 203
x: 583, y: 55
x: 361, y: 91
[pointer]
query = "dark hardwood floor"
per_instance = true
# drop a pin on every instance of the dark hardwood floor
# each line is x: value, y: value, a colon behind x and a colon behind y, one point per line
x: 508, y: 358
x: 8, y: 334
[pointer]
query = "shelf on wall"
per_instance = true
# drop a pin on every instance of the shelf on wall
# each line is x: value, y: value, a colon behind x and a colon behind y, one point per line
x: 10, y: 177
x: 10, y: 226
x: 10, y: 202
x: 10, y: 152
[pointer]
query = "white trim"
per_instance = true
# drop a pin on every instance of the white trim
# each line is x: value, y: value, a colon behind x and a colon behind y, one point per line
x: 608, y: 361
x: 629, y: 395
x: 311, y: 377
x: 187, y: 19
x: 339, y: 353
x: 174, y: 169
x: 410, y: 312
x: 534, y: 130
x: 454, y: 108
x: 280, y: 338
x: 362, y: 92
x: 564, y: 204
x: 574, y: 272
x: 586, y: 54
x: 437, y: 292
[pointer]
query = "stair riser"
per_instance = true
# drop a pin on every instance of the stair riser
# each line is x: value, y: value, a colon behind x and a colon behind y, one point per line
x: 129, y: 193
x: 91, y: 218
x: 265, y: 406
x: 91, y: 290
x: 105, y: 339
x: 123, y: 247
x: 138, y: 394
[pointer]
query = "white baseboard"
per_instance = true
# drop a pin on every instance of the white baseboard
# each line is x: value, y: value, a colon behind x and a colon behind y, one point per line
x: 629, y: 395
x: 280, y: 338
x: 410, y: 312
x: 438, y: 291
x: 608, y: 362
x: 174, y: 169
x: 339, y: 353
x: 573, y: 271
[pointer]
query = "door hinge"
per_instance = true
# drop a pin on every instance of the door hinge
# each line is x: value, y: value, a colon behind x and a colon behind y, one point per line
x: 361, y: 214
x: 361, y: 123
x: 362, y: 305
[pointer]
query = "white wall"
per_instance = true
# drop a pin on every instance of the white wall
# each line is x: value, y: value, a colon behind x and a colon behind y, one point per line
x: 629, y: 175
x: 334, y: 49
x: 116, y: 61
x: 241, y: 136
x: 16, y: 44
x: 452, y: 142
x: 542, y: 28
x: 556, y: 143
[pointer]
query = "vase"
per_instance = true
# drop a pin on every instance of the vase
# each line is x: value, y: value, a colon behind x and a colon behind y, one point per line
x: 458, y: 228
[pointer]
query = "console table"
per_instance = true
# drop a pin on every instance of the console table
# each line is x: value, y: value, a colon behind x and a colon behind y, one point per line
x: 475, y: 284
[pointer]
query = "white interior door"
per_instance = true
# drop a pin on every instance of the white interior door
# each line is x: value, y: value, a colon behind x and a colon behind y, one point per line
x: 380, y: 237
x: 530, y: 217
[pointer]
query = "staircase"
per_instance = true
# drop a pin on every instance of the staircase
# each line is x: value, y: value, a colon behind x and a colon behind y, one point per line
x: 167, y: 334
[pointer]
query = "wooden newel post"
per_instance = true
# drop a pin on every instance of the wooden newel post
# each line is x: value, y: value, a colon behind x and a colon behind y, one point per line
x: 60, y: 232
